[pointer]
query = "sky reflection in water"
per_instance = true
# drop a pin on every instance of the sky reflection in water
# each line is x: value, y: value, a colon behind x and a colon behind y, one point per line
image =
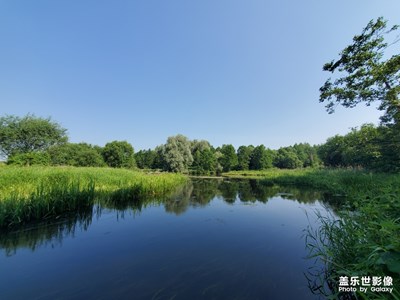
x: 213, y: 239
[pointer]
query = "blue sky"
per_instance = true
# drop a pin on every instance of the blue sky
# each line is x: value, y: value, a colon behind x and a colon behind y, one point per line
x: 240, y: 72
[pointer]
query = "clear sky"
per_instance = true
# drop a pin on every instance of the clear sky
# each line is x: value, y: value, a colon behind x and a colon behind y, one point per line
x: 228, y: 71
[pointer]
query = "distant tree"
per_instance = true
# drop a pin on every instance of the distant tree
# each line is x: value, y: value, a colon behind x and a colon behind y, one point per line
x: 228, y: 160
x: 287, y: 158
x: 261, y: 158
x: 119, y: 154
x: 366, y: 147
x: 159, y: 160
x: 204, y: 160
x: 176, y: 154
x: 389, y: 142
x: 332, y: 152
x: 145, y: 158
x: 28, y: 134
x: 363, y: 147
x: 78, y: 155
x: 307, y: 154
x: 364, y: 75
x: 244, y: 156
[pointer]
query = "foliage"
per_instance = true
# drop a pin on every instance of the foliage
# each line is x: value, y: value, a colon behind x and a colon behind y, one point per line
x: 228, y: 159
x: 30, y: 159
x: 77, y: 155
x: 28, y: 134
x: 261, y: 158
x: 363, y: 75
x: 307, y: 154
x: 331, y: 153
x: 370, y: 147
x: 176, y: 154
x: 37, y: 193
x: 145, y: 158
x: 244, y: 155
x: 389, y: 146
x: 204, y: 160
x: 159, y: 159
x: 286, y: 158
x: 119, y: 154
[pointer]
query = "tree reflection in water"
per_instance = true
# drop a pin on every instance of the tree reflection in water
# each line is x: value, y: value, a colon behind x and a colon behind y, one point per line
x: 196, y: 193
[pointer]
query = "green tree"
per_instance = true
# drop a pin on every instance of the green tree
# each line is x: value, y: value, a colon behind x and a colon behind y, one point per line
x: 119, y: 154
x: 389, y: 141
x: 307, y: 154
x: 176, y: 154
x: 204, y: 160
x: 228, y: 160
x: 78, y: 155
x: 261, y: 158
x: 244, y: 156
x: 145, y: 158
x: 364, y: 75
x: 159, y: 161
x: 362, y: 147
x: 332, y: 152
x: 29, y: 159
x: 287, y: 158
x: 29, y: 134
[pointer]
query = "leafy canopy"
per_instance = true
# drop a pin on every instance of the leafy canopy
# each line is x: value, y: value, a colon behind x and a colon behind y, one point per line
x: 364, y: 75
x: 29, y: 134
x: 176, y: 153
x: 119, y: 154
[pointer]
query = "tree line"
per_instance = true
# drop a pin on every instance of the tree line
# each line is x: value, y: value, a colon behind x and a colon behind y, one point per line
x: 32, y: 140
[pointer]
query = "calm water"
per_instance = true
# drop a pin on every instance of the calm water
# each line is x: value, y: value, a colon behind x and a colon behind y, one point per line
x: 213, y: 239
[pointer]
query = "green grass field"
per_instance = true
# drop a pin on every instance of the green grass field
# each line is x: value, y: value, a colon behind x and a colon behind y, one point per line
x: 35, y: 193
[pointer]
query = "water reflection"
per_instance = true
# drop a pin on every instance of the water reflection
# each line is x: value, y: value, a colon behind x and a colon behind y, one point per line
x: 48, y: 233
x: 197, y: 193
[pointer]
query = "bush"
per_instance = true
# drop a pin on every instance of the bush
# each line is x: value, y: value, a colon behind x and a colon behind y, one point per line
x: 30, y: 159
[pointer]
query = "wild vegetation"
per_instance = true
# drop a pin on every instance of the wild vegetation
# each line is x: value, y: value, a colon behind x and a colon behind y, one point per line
x: 37, y: 193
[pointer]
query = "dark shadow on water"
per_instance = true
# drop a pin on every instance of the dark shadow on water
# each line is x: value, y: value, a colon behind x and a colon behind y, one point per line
x: 50, y: 232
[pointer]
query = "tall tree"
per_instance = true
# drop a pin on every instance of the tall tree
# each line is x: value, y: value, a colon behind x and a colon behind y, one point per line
x: 119, y: 154
x: 244, y: 156
x: 29, y: 134
x: 204, y: 161
x: 145, y: 158
x: 261, y: 158
x: 287, y: 158
x: 176, y: 154
x: 307, y: 154
x: 228, y: 160
x: 363, y: 74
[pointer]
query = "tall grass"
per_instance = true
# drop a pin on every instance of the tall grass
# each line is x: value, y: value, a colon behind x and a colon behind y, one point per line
x: 36, y: 193
x: 364, y: 240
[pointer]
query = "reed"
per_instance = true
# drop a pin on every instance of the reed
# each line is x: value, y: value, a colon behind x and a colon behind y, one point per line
x: 37, y: 193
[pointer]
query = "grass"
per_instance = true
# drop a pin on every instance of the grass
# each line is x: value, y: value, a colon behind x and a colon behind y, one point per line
x: 365, y: 238
x: 37, y: 193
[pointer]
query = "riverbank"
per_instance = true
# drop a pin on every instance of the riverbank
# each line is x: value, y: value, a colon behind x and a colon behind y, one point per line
x: 35, y: 193
x: 365, y: 241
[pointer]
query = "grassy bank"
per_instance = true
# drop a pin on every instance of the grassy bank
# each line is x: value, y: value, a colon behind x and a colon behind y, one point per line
x: 35, y: 193
x: 336, y: 181
x: 364, y: 241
